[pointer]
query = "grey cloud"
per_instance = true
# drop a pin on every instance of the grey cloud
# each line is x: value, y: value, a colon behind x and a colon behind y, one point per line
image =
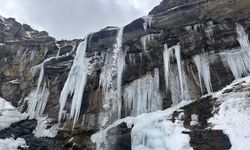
x: 75, y: 18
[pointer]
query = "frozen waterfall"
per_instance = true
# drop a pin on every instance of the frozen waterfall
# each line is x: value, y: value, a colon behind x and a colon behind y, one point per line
x: 170, y: 75
x: 111, y: 82
x: 202, y: 63
x: 75, y: 83
x: 37, y: 99
x: 239, y: 60
x: 143, y: 95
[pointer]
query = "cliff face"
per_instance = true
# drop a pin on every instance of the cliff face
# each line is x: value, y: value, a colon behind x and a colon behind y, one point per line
x: 194, y: 37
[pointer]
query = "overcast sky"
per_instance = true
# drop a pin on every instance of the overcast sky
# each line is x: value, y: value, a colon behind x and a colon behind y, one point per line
x: 68, y: 19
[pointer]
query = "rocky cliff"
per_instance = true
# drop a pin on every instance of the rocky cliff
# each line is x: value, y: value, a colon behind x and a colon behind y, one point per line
x: 179, y: 52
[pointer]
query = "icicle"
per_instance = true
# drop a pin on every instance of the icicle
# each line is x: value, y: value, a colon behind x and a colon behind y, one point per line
x: 239, y: 60
x: 147, y: 22
x: 202, y: 64
x: 239, y: 63
x: 166, y: 57
x: 242, y: 37
x: 75, y: 83
x: 59, y: 50
x: 111, y: 82
x: 188, y: 29
x: 177, y: 49
x: 37, y: 100
x: 148, y: 38
x: 175, y: 85
x: 145, y: 39
x: 197, y: 27
x: 143, y: 95
x: 169, y: 74
x: 209, y: 29
x: 120, y: 70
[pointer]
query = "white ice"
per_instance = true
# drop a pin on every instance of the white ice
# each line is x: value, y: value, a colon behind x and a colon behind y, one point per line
x: 152, y: 131
x: 143, y: 95
x: 239, y: 60
x: 75, y: 83
x: 147, y: 22
x: 194, y: 120
x: 37, y: 101
x: 209, y: 30
x: 111, y: 81
x: 170, y: 75
x: 202, y: 63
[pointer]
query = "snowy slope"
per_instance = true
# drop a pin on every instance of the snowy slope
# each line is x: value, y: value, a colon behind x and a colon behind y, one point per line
x: 8, y: 114
x: 233, y: 116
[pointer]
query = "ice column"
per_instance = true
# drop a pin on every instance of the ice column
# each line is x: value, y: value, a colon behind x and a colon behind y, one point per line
x: 202, y: 64
x: 239, y: 60
x: 111, y: 82
x: 147, y: 22
x: 75, y: 83
x: 167, y: 53
x: 143, y: 95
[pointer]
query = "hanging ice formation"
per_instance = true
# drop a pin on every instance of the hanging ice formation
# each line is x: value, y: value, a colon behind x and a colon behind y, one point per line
x: 209, y: 30
x: 239, y: 60
x: 147, y: 22
x: 202, y: 63
x: 143, y: 95
x: 111, y: 82
x: 37, y: 99
x: 75, y: 84
x: 148, y: 38
x: 171, y: 74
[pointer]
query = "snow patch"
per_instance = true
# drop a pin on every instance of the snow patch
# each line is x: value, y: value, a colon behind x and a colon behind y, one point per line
x: 43, y: 130
x: 12, y: 144
x: 16, y: 81
x: 8, y: 114
x: 233, y: 116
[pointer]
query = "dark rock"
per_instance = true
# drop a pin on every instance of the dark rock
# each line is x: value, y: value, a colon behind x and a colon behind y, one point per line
x: 44, y: 33
x: 27, y: 27
x: 119, y: 137
x: 19, y: 129
x: 209, y: 140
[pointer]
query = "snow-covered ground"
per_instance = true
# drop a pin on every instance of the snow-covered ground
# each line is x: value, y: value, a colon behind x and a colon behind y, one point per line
x: 151, y: 131
x: 12, y: 144
x: 233, y: 115
x: 8, y: 114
